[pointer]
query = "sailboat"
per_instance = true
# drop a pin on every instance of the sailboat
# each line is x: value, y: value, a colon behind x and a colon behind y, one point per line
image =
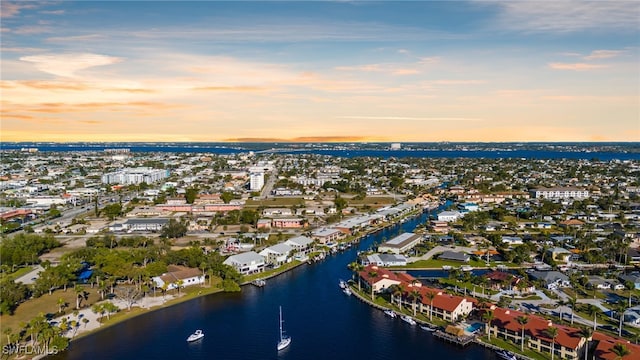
x: 284, y: 339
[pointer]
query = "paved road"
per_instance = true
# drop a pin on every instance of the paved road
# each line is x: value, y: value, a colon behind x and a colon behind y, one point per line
x: 440, y: 249
x: 30, y: 277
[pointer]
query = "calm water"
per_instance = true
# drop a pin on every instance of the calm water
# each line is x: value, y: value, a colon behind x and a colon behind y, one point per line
x: 217, y: 148
x: 323, y: 322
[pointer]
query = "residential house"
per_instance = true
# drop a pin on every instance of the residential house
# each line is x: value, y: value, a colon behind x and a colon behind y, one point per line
x: 568, y: 344
x: 385, y: 260
x: 277, y: 254
x: 605, y: 344
x: 449, y: 216
x: 551, y: 279
x: 455, y: 256
x: 177, y: 275
x: 325, y: 235
x: 401, y: 243
x: 246, y: 263
x: 301, y: 244
x: 559, y: 254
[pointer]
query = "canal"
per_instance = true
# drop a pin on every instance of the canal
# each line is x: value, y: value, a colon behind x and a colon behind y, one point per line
x: 323, y: 322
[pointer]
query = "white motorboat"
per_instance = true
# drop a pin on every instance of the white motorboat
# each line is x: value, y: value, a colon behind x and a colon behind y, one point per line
x: 284, y: 339
x: 347, y: 291
x: 343, y: 284
x: 427, y: 328
x: 195, y: 336
x: 446, y: 267
x: 507, y: 355
x: 390, y: 313
x: 408, y: 319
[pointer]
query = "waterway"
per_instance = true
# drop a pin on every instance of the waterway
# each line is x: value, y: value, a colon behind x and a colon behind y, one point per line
x: 323, y: 322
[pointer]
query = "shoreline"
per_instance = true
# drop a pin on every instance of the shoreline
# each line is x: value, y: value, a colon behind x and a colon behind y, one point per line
x: 184, y: 298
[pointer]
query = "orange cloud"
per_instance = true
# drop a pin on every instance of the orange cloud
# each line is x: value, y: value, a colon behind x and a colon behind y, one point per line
x: 229, y: 88
x: 575, y: 66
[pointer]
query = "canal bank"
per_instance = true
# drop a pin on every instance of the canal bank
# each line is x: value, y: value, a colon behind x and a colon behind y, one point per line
x: 322, y: 321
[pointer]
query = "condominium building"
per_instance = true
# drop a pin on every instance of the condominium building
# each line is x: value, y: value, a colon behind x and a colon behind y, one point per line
x: 138, y: 175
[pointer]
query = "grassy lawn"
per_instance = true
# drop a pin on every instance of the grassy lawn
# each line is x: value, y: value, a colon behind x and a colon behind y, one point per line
x: 516, y: 348
x: 373, y: 201
x: 21, y: 271
x: 268, y: 273
x: 437, y: 264
x: 274, y: 202
x: 46, y: 304
x: 468, y: 285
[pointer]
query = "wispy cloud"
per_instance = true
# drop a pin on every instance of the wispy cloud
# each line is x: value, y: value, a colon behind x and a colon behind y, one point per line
x: 567, y: 16
x: 603, y: 54
x: 66, y: 65
x: 576, y: 66
x: 10, y: 9
x: 409, y: 118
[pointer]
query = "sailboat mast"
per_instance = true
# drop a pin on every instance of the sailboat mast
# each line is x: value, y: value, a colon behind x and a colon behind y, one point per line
x: 280, y: 322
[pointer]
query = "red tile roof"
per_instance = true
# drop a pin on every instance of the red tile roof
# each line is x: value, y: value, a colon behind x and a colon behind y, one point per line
x: 536, y: 327
x: 606, y: 343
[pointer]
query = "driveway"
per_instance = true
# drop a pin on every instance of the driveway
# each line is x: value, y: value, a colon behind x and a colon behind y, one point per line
x: 30, y: 277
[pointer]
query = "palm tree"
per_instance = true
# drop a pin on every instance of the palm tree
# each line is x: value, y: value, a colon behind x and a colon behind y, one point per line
x: 630, y: 286
x: 560, y: 304
x: 79, y: 290
x: 522, y: 320
x: 430, y: 295
x: 572, y: 303
x: 415, y: 295
x: 552, y: 332
x: 620, y: 308
x: 61, y: 304
x: 620, y: 350
x: 488, y: 317
x: 593, y: 310
x: 397, y: 291
x: 587, y: 333
x: 372, y: 274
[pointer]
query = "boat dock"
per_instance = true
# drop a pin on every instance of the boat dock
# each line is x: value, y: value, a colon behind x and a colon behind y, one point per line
x: 458, y: 340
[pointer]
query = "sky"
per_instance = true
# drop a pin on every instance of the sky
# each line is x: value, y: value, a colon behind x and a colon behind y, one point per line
x: 334, y: 71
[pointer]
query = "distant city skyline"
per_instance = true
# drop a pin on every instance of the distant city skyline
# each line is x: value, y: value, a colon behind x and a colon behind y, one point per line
x: 345, y: 71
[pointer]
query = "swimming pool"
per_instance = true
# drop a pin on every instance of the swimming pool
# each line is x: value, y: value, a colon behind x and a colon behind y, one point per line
x: 473, y: 327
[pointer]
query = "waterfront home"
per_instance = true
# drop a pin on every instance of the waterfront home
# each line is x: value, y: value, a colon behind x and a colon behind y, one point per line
x: 352, y: 225
x: 512, y: 240
x: 246, y: 263
x: 385, y: 260
x: 598, y: 282
x: 449, y: 216
x: 325, y: 235
x: 447, y: 307
x: 301, y: 244
x: 605, y: 343
x: 177, y: 275
x: 277, y: 254
x: 401, y: 243
x: 455, y: 256
x: 379, y: 279
x: 568, y: 344
x: 551, y: 279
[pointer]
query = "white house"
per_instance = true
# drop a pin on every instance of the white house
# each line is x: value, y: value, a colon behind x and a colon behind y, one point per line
x: 449, y: 216
x: 246, y: 263
x: 179, y: 275
x: 277, y: 254
x: 301, y: 244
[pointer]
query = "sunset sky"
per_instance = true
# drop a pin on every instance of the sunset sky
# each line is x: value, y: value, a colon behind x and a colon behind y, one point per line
x: 320, y: 71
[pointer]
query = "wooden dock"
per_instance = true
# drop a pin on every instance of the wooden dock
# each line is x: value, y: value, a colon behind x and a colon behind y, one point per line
x: 458, y: 340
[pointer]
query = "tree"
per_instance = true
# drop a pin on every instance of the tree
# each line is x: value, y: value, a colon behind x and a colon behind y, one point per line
x: 226, y: 197
x: 522, y: 320
x: 191, y: 194
x: 572, y: 302
x: 174, y: 229
x: 560, y: 304
x: 112, y: 210
x: 552, y: 332
x: 415, y: 296
x: 587, y: 333
x: 620, y: 350
x: 488, y: 317
x: 593, y: 310
x: 128, y: 294
x: 430, y: 295
x: 620, y: 308
x: 61, y: 305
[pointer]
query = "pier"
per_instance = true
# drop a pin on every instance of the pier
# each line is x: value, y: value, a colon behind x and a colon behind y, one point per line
x: 458, y: 340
